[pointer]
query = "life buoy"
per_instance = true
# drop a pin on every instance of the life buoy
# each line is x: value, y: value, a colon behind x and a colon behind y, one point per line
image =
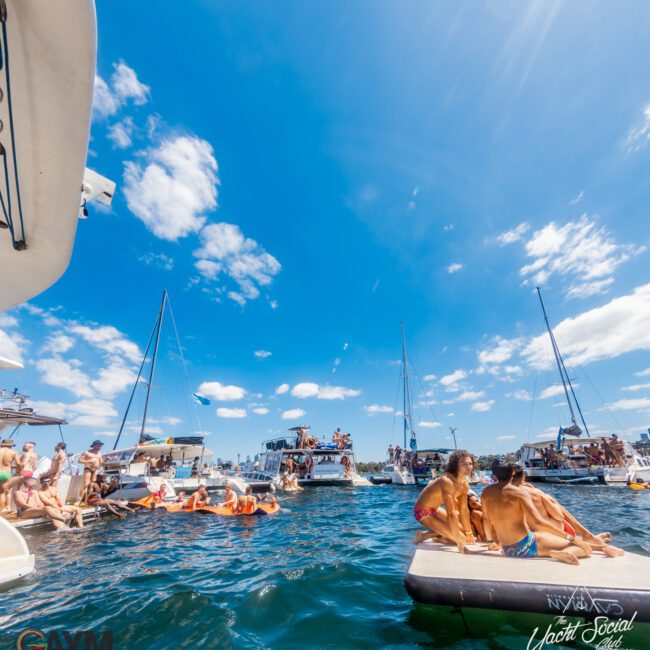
x: 311, y: 443
x: 309, y: 461
x: 345, y: 461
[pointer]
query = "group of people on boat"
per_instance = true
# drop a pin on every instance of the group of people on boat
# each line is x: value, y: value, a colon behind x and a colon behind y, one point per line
x: 611, y: 452
x: 512, y: 515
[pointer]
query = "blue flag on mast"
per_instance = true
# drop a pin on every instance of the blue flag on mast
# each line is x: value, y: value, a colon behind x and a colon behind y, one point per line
x: 200, y: 399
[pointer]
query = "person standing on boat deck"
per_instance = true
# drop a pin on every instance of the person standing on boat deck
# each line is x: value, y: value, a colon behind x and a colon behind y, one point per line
x: 58, y: 461
x: 29, y: 459
x: 618, y: 449
x: 398, y: 456
x: 9, y: 458
x: 195, y: 467
x: 391, y: 454
x: 91, y: 459
x: 509, y: 514
x: 450, y: 490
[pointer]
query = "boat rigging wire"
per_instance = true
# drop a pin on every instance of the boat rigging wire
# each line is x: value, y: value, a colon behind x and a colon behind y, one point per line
x: 19, y: 242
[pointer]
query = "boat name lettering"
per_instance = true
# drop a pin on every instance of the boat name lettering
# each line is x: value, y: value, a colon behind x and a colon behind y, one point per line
x: 64, y: 640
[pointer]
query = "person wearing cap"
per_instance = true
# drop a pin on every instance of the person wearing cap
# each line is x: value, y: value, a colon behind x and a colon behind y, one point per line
x: 9, y: 458
x: 29, y: 504
x: 51, y: 498
x: 91, y: 459
x: 58, y: 460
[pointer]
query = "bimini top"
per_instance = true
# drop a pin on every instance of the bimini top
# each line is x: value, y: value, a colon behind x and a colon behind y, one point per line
x: 12, y: 417
x: 178, y: 452
x: 51, y: 52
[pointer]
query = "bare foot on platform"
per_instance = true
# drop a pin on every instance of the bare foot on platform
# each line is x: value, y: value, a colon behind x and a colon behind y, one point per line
x: 606, y: 537
x: 613, y: 551
x: 420, y: 536
x: 564, y: 556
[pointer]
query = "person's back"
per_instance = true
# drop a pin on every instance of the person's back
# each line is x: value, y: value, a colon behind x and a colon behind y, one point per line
x: 503, y: 502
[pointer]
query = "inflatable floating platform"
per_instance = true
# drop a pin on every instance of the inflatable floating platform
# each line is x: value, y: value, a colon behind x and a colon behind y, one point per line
x: 262, y: 508
x: 598, y: 586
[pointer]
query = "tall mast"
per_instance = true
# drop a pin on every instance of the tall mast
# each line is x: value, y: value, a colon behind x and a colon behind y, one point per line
x: 564, y: 375
x: 153, y: 363
x: 407, y: 409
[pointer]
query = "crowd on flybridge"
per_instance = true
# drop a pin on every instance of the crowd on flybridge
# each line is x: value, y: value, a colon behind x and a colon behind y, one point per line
x: 512, y: 516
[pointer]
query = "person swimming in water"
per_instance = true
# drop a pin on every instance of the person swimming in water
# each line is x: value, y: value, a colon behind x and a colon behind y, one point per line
x: 453, y: 522
x: 510, y: 517
x: 247, y: 504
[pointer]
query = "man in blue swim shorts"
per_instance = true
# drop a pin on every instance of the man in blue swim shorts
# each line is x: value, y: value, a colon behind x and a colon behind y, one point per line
x: 509, y: 514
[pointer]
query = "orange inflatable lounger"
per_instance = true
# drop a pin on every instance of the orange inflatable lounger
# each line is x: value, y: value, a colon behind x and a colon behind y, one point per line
x: 262, y: 509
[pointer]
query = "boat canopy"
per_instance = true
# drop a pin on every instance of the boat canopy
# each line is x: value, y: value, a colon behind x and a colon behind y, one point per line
x: 15, y: 417
x: 178, y: 452
x: 567, y: 441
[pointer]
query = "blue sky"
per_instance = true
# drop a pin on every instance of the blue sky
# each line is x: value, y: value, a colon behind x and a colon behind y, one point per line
x: 303, y: 177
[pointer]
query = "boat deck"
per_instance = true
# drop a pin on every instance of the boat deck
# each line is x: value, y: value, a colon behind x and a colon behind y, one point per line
x: 89, y: 512
x: 598, y: 586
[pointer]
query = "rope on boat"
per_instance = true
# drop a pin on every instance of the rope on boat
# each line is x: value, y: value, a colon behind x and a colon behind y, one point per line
x: 19, y: 241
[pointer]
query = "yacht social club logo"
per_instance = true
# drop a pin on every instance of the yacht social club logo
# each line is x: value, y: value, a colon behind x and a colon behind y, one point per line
x: 601, y: 632
x: 32, y: 639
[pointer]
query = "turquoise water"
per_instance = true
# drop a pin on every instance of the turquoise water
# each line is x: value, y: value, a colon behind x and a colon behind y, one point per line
x: 325, y: 573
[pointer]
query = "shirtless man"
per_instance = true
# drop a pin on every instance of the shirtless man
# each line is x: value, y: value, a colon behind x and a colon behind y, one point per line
x: 247, y: 504
x: 29, y: 459
x: 510, y: 516
x: 9, y: 457
x: 29, y: 504
x: 557, y: 515
x: 50, y: 497
x: 58, y: 461
x: 91, y: 459
x: 230, y: 500
x: 199, y: 499
x: 450, y: 490
x: 98, y: 492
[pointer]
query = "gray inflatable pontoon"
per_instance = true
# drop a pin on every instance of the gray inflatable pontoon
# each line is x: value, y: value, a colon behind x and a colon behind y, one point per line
x: 599, y: 586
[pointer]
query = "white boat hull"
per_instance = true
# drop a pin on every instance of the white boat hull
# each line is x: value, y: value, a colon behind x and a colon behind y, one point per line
x: 16, y: 561
x: 52, y: 56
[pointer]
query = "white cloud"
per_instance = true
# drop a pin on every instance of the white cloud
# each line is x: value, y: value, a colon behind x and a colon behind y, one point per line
x: 10, y: 346
x: 108, y: 339
x: 159, y: 260
x: 66, y: 375
x: 454, y: 267
x: 91, y: 413
x: 453, y: 378
x: 121, y: 133
x: 429, y: 378
x: 7, y: 321
x: 577, y: 198
x: 58, y: 344
x: 511, y: 236
x: 221, y: 393
x: 261, y: 410
x: 637, y: 387
x: 643, y: 373
x: 174, y: 188
x: 293, y: 414
x: 281, y: 389
x: 470, y: 395
x: 240, y: 258
x: 377, y: 408
x: 482, y: 406
x: 622, y: 325
x: 53, y: 409
x: 231, y: 413
x: 309, y: 389
x: 126, y: 85
x: 105, y: 103
x: 171, y: 420
x: 505, y: 437
x: 638, y: 137
x: 262, y: 354
x: 500, y: 351
x: 429, y: 425
x: 552, y: 391
x: 113, y: 379
x: 586, y: 254
x: 630, y: 404
x: 522, y: 395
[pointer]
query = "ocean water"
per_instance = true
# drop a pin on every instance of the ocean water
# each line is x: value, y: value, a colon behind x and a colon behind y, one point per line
x: 326, y: 572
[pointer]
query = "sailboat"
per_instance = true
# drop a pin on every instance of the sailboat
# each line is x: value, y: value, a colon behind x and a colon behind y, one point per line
x: 567, y: 459
x: 187, y: 462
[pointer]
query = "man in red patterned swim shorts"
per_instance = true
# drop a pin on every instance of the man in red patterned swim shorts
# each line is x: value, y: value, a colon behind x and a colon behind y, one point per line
x: 451, y: 522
